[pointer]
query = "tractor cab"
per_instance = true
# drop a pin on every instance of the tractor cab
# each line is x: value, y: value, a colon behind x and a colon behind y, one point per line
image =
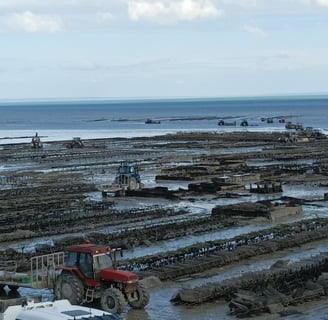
x: 126, y: 168
x: 90, y: 259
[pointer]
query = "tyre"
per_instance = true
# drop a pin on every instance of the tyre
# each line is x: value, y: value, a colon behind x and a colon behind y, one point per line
x: 69, y: 287
x: 133, y: 183
x: 112, y: 300
x: 13, y: 288
x: 139, y: 298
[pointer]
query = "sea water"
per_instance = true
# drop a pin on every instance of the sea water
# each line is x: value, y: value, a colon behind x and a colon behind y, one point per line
x: 60, y: 120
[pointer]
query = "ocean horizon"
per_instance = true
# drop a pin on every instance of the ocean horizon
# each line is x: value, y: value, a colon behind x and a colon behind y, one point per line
x: 60, y: 100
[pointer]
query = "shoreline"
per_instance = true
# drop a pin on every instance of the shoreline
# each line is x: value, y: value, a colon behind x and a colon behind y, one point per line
x: 57, y: 135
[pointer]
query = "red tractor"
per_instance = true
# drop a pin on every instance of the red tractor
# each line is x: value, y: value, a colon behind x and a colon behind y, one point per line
x: 89, y: 273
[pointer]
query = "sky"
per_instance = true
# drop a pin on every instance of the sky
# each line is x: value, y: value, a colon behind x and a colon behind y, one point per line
x: 72, y: 49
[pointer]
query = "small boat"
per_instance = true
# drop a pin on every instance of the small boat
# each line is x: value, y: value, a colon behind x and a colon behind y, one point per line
x: 151, y: 121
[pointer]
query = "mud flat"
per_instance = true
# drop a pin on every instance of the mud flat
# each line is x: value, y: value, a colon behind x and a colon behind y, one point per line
x: 51, y: 198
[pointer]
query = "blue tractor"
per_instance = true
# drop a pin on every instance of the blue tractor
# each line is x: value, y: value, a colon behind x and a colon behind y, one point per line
x: 128, y: 176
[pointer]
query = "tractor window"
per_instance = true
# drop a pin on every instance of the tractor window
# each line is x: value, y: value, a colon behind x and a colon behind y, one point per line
x: 85, y: 264
x: 123, y: 169
x: 102, y: 261
x: 71, y: 260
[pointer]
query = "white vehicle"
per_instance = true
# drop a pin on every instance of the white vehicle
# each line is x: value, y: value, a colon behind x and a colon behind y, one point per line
x: 57, y: 310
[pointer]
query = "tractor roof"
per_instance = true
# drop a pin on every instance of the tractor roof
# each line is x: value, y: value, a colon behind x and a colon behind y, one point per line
x: 89, y: 248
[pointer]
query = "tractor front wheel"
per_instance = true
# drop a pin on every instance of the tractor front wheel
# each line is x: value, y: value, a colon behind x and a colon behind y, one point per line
x: 133, y: 183
x: 139, y: 298
x: 69, y: 287
x: 112, y: 300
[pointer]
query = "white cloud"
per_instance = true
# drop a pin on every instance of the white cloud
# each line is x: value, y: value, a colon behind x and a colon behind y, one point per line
x: 322, y: 3
x: 254, y: 30
x: 31, y: 23
x: 166, y: 11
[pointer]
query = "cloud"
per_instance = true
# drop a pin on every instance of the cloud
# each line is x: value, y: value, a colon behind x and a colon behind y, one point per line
x: 321, y: 3
x: 32, y: 23
x: 168, y: 11
x: 256, y: 31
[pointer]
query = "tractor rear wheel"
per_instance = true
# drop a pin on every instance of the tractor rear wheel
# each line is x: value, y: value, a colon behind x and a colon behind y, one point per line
x: 133, y: 183
x: 69, y: 287
x: 139, y: 298
x: 112, y: 300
